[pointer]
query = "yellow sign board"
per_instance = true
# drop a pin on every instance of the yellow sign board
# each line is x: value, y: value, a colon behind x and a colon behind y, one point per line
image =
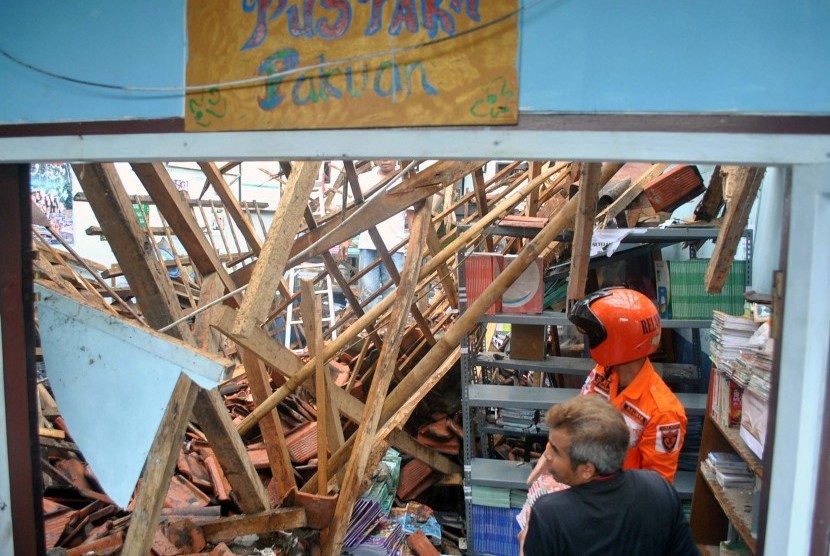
x: 324, y: 64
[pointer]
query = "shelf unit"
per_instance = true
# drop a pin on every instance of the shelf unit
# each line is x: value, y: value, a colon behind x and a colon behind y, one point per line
x: 714, y: 507
x: 482, y: 471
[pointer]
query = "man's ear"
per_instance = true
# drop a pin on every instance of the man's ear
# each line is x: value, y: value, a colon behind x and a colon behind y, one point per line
x: 586, y: 471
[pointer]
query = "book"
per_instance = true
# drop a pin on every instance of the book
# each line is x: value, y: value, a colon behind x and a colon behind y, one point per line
x: 727, y: 461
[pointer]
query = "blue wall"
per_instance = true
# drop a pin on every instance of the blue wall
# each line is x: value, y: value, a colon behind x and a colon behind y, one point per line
x: 762, y: 56
x: 586, y: 56
x: 111, y: 41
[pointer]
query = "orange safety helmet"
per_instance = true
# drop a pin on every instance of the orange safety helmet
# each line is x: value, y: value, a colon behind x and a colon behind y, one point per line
x: 622, y: 325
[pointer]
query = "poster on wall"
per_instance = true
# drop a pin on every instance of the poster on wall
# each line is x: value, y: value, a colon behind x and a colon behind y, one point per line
x: 51, y: 191
x: 325, y: 64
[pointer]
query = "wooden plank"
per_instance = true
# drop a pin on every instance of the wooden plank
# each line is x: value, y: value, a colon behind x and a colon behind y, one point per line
x: 532, y: 203
x: 589, y: 177
x: 611, y: 212
x: 364, y: 437
x: 745, y: 181
x: 159, y: 468
x: 132, y: 247
x: 231, y: 204
x: 211, y: 290
x: 79, y: 260
x: 481, y: 202
x: 312, y: 310
x: 271, y: 264
x: 216, y: 423
x: 263, y: 523
x: 270, y: 426
x: 179, y: 216
x: 445, y: 275
x: 709, y: 206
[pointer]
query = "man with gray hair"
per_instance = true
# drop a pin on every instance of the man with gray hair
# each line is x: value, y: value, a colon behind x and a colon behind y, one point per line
x: 607, y: 510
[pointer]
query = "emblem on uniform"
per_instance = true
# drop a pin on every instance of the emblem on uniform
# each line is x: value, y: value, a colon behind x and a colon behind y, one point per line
x: 668, y: 437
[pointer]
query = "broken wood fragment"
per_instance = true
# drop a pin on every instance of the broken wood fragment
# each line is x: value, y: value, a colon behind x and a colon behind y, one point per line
x: 589, y: 184
x: 744, y: 182
x: 271, y: 263
x: 260, y: 523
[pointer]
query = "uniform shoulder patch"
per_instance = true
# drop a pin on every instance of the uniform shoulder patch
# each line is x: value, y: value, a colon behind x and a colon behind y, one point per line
x: 669, y: 438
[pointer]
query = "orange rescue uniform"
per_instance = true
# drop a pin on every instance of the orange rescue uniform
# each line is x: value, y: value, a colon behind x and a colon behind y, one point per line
x: 654, y: 415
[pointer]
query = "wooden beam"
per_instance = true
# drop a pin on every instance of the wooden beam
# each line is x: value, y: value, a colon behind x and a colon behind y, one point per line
x: 532, y: 203
x: 270, y: 426
x: 709, y: 206
x: 356, y: 469
x: 215, y: 421
x: 211, y: 290
x: 263, y: 523
x: 179, y: 216
x: 445, y: 275
x: 159, y: 468
x: 312, y: 310
x: 481, y: 202
x: 231, y: 204
x: 589, y: 177
x: 743, y: 181
x: 271, y: 264
x: 132, y: 247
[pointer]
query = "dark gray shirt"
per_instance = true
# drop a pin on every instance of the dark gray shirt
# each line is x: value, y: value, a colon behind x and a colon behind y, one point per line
x: 635, y: 512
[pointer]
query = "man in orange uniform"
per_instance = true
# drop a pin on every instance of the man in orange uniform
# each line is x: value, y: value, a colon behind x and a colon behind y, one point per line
x: 622, y: 327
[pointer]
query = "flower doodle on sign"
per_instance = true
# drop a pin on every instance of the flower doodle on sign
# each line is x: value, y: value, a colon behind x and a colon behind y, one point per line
x: 207, y: 106
x: 494, y: 102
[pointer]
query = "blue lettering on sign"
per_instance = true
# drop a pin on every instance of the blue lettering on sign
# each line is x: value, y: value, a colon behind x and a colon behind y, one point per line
x: 329, y: 84
x: 331, y: 19
x: 280, y: 61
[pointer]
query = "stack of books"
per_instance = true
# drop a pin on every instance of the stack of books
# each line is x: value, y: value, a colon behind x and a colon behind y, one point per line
x: 729, y: 351
x: 731, y: 471
x: 516, y: 419
x: 730, y: 335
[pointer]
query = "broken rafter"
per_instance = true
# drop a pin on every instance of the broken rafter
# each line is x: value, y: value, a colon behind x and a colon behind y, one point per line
x: 147, y: 278
x: 743, y: 183
x: 583, y: 229
x: 350, y: 490
x: 272, y: 260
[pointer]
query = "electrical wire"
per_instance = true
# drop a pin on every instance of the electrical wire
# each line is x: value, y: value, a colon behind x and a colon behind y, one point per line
x: 251, y: 81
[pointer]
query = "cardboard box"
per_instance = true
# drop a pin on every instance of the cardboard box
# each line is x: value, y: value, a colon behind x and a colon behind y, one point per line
x: 526, y: 292
x: 527, y: 342
x: 480, y: 269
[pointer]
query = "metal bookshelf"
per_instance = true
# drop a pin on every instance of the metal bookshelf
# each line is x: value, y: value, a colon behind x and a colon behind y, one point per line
x: 482, y: 471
